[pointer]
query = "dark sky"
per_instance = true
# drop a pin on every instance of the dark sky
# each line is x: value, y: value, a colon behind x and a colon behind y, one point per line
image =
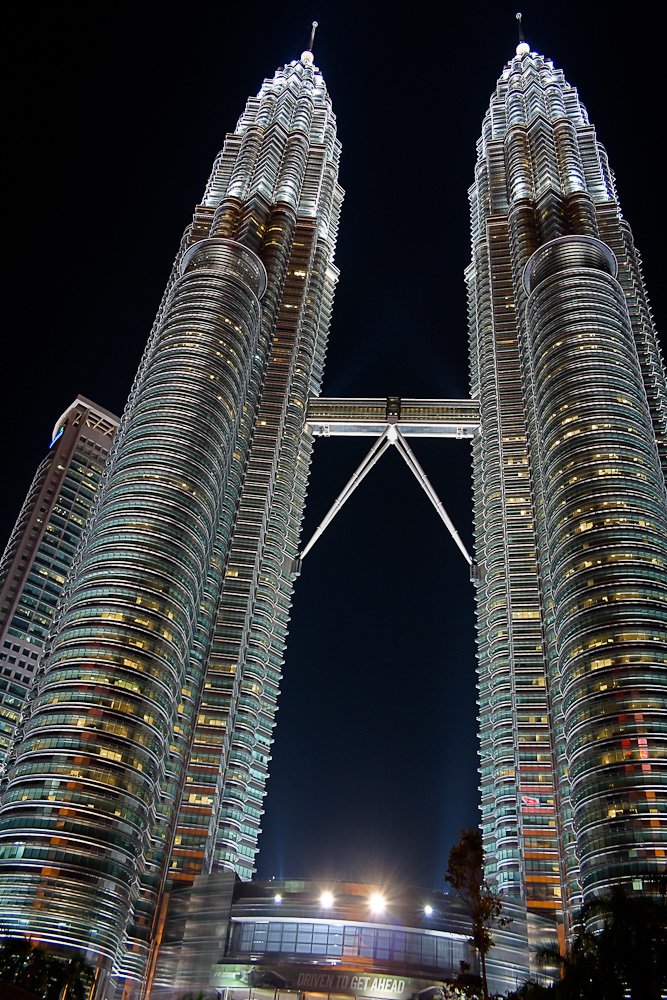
x: 116, y: 113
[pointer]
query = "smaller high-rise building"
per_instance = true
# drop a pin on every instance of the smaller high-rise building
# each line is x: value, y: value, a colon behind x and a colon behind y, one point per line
x: 41, y: 547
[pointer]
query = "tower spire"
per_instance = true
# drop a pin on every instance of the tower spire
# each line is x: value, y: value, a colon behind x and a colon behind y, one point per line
x: 307, y: 55
x: 519, y: 16
x: 523, y: 48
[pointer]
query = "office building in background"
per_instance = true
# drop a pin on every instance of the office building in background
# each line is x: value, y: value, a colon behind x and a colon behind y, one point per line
x: 41, y: 548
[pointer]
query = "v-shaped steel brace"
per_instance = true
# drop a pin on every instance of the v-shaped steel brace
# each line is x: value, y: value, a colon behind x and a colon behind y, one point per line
x: 391, y: 435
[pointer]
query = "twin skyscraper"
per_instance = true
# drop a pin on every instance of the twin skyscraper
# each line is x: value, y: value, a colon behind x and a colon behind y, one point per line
x: 141, y: 757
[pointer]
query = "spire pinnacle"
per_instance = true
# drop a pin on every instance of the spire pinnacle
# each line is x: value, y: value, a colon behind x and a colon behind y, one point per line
x: 307, y: 56
x: 523, y: 48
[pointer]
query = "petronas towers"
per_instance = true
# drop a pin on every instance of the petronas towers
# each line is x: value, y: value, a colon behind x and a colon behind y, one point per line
x: 141, y: 757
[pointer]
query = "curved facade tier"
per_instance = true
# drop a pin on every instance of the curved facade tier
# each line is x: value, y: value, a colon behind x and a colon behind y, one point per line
x: 605, y: 524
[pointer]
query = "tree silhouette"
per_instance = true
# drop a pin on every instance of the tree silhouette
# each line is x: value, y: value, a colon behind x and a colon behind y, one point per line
x: 624, y: 957
x: 465, y: 874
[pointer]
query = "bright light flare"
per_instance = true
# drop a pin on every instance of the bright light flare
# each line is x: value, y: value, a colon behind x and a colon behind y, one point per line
x: 377, y: 903
x: 277, y: 898
x: 326, y: 900
x: 428, y: 910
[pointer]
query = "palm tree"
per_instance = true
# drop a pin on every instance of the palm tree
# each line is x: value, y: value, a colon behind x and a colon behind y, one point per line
x: 625, y: 956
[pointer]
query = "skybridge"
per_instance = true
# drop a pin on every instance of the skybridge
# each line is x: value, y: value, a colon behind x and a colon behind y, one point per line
x: 449, y: 418
x: 390, y: 421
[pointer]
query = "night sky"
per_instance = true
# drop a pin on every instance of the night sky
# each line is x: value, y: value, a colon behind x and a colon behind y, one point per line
x: 116, y: 113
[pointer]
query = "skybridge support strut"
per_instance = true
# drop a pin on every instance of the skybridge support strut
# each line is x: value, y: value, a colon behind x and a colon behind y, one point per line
x: 372, y: 457
x: 411, y: 461
x: 390, y: 435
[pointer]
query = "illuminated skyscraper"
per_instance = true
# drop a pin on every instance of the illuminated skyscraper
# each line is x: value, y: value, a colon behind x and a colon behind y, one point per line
x: 570, y: 507
x: 145, y: 750
x: 41, y: 548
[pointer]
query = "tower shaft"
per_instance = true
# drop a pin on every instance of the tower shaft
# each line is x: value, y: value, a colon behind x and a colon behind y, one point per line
x: 570, y: 458
x: 147, y: 739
